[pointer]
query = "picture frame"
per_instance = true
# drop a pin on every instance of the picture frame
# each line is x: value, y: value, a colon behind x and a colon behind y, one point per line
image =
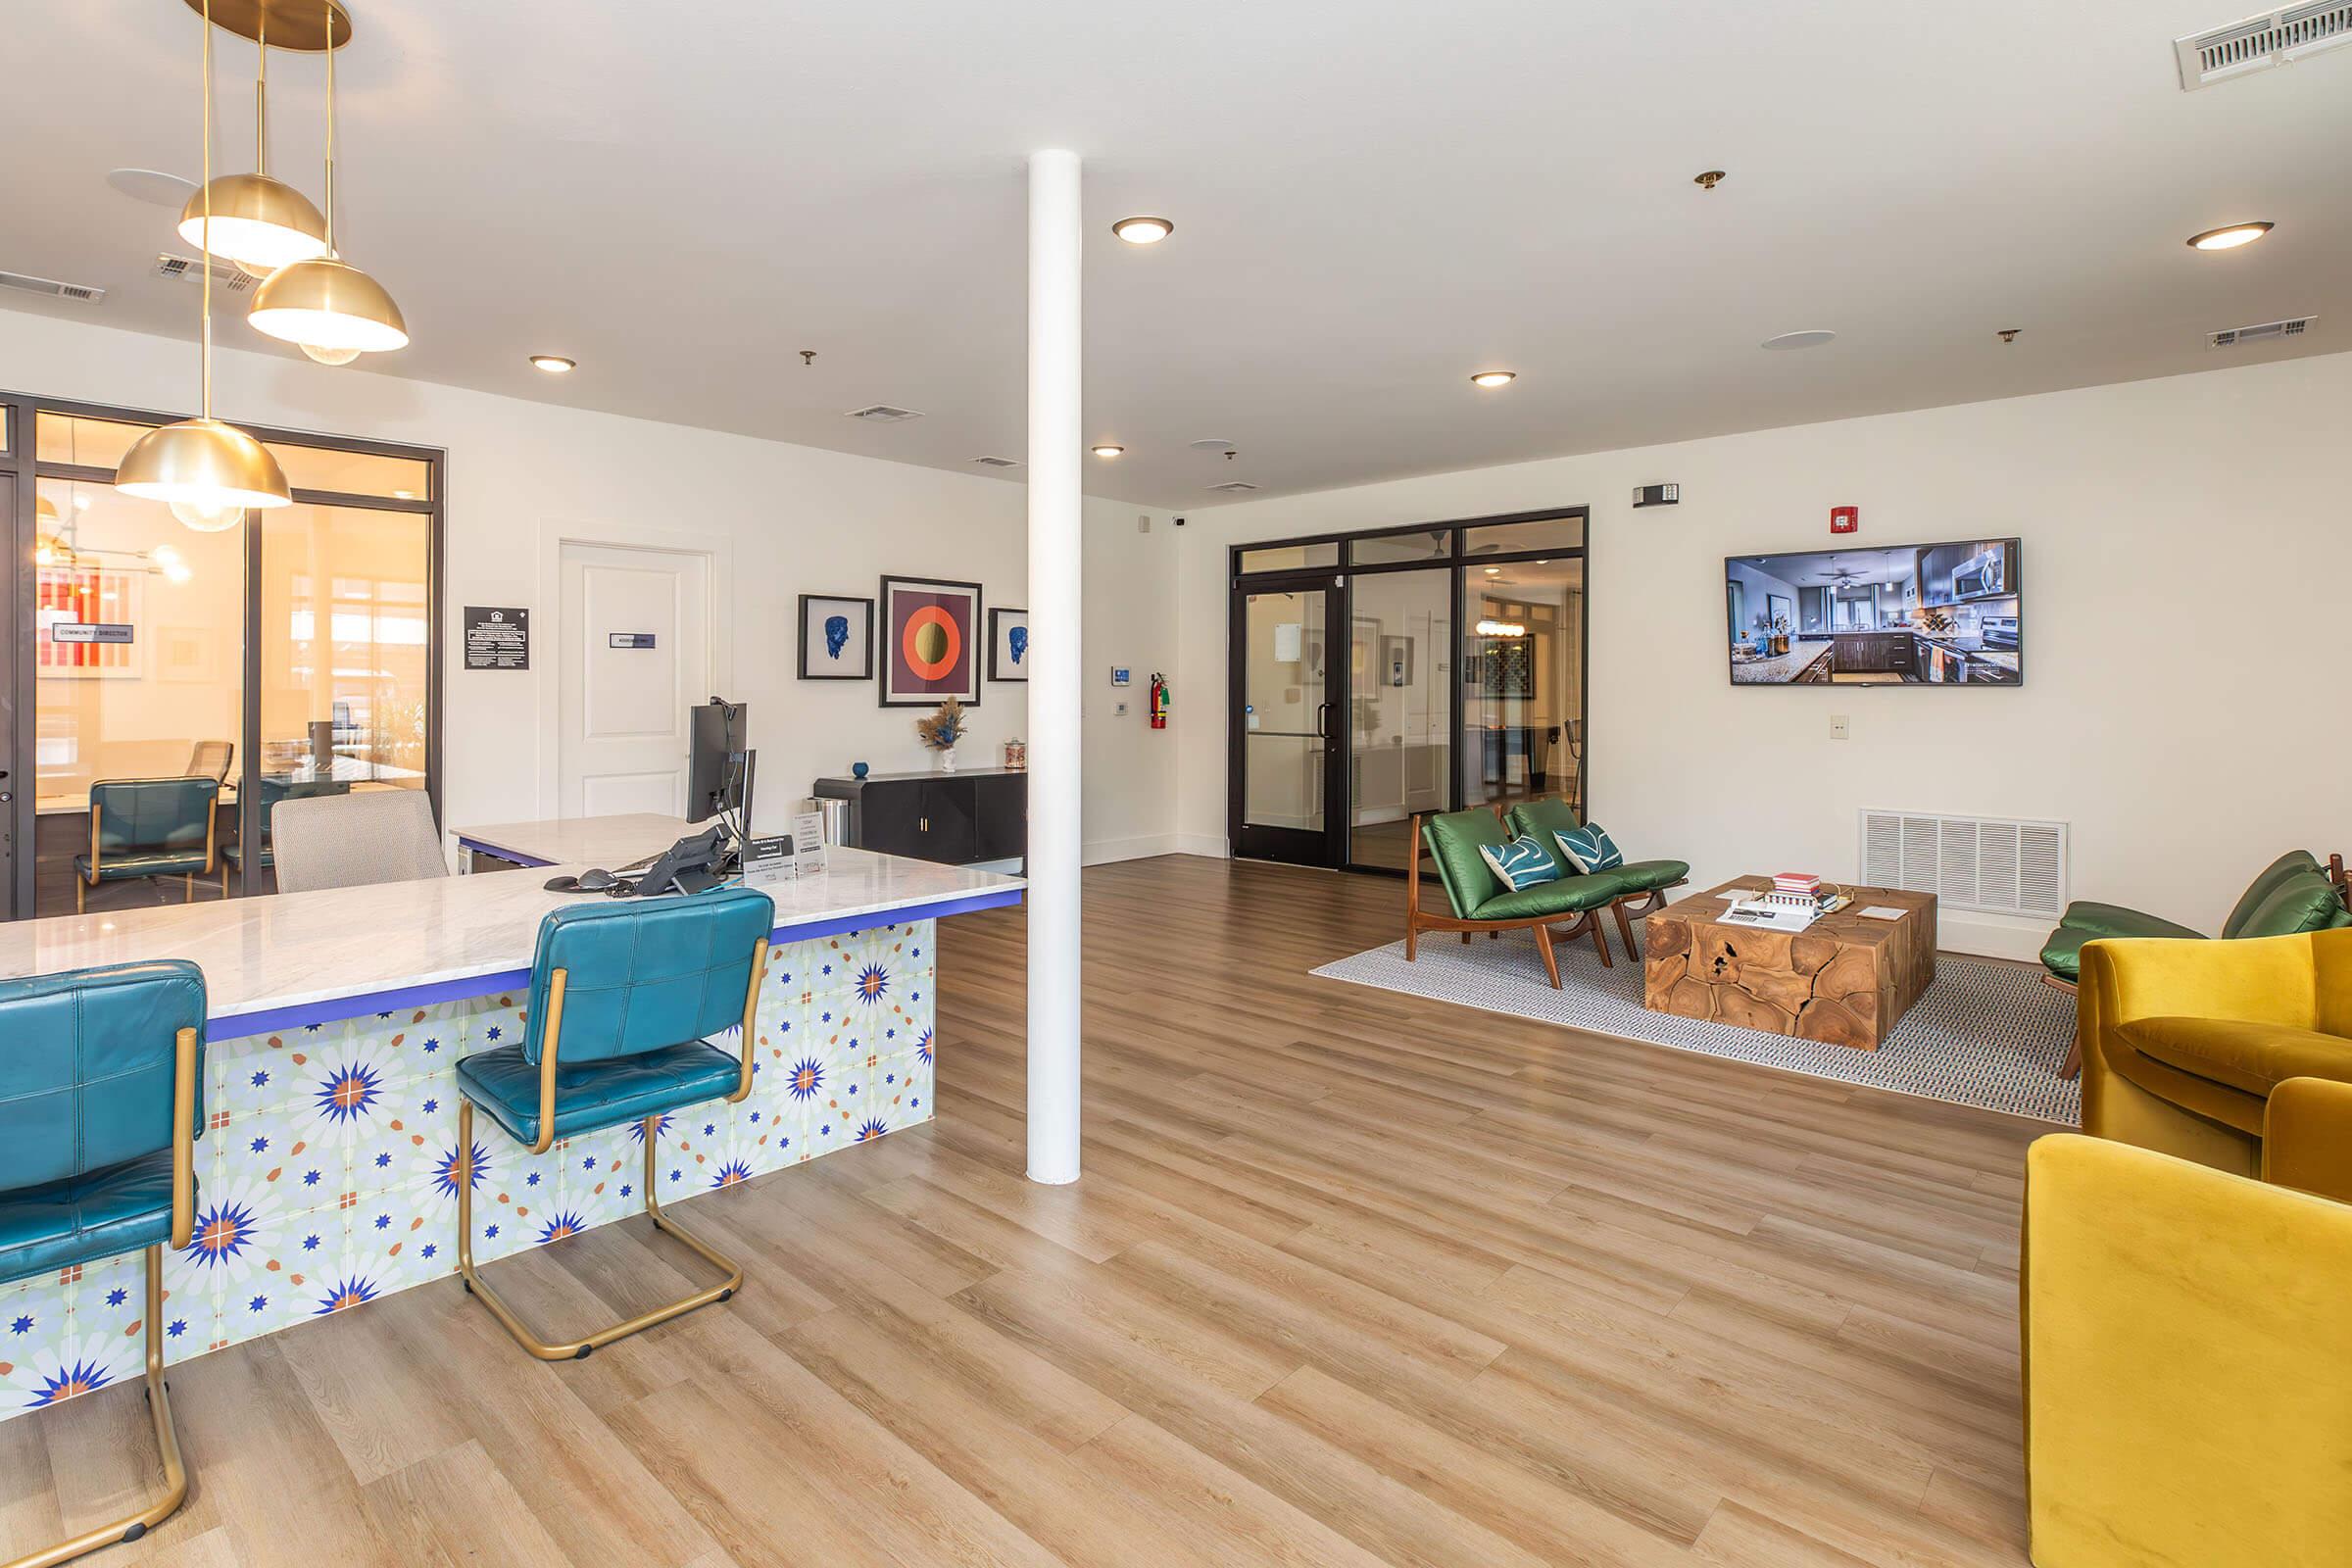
x: 1007, y: 644
x: 837, y: 637
x: 929, y: 648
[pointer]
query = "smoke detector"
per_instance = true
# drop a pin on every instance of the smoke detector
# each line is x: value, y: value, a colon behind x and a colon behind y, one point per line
x: 2235, y: 337
x: 2274, y: 38
x: 883, y: 414
x: 227, y: 275
x: 997, y: 463
x: 83, y: 293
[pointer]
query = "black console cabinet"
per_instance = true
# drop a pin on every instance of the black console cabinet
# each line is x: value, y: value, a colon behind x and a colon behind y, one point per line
x: 955, y: 819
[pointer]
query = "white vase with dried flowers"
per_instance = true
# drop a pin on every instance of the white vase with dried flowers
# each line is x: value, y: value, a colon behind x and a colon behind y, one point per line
x: 942, y: 730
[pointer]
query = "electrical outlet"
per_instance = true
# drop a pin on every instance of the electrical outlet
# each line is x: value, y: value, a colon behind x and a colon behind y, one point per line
x: 1837, y: 726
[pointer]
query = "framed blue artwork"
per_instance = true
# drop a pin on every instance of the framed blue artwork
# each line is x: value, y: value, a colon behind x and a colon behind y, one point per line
x: 1008, y: 645
x: 837, y: 638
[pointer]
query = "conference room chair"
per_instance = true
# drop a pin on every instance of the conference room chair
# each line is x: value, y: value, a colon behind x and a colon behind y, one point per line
x: 101, y: 1101
x: 622, y: 998
x: 149, y: 827
x: 275, y: 793
x: 211, y: 759
x: 355, y: 840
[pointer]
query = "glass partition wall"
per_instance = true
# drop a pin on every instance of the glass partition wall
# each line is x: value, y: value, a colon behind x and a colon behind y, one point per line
x: 1461, y: 683
x: 191, y: 680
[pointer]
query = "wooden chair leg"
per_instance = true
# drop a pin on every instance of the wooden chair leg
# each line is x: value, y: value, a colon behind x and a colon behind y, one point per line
x: 1466, y: 938
x: 2073, y: 1056
x: 1552, y: 962
x: 1625, y: 929
x: 1412, y: 939
x: 1600, y: 943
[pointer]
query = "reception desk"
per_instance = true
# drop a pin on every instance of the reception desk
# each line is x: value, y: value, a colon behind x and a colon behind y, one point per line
x: 327, y: 1166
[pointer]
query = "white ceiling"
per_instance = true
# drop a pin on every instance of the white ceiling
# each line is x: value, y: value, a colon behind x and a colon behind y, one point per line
x: 1372, y: 199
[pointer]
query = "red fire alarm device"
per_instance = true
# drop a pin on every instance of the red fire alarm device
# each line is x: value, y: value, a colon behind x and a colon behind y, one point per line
x: 1845, y: 520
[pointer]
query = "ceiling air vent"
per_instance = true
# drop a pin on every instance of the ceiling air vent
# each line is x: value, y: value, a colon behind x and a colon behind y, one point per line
x: 228, y: 274
x: 81, y: 292
x: 1235, y: 487
x: 883, y: 414
x: 2257, y: 334
x: 2274, y: 38
x: 997, y: 463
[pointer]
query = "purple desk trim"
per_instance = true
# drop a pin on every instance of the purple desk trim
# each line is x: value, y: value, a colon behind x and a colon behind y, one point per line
x: 499, y: 852
x: 276, y: 1020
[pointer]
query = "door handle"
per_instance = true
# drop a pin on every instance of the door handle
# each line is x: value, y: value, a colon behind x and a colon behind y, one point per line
x: 1323, y: 721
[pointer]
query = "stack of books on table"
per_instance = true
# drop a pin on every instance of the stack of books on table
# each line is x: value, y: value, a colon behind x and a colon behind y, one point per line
x: 1793, y: 902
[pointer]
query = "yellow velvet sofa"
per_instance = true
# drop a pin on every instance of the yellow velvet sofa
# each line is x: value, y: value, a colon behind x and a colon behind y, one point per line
x: 2188, y: 1347
x: 2184, y: 1041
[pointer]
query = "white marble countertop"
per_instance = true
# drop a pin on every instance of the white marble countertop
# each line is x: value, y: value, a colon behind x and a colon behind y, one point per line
x: 395, y: 943
x: 611, y: 842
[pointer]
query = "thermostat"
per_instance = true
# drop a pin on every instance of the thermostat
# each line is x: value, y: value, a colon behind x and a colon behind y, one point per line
x: 1121, y: 676
x: 1657, y: 495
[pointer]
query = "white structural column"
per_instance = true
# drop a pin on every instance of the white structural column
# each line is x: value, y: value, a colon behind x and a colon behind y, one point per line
x: 1055, y: 499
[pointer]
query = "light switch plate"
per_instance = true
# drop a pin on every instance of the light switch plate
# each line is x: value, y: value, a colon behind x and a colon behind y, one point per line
x: 1837, y: 726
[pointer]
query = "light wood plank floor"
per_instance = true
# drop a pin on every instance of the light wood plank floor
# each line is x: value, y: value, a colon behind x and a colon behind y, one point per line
x: 1352, y: 1278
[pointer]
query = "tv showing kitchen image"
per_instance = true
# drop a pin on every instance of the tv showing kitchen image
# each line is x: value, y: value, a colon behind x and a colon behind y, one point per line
x: 1944, y: 615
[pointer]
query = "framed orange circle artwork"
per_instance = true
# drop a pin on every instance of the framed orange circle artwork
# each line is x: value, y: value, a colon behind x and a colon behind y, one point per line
x: 930, y: 643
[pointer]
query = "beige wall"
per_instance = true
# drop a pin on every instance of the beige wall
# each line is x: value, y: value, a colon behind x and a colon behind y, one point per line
x: 2185, y: 544
x: 779, y: 519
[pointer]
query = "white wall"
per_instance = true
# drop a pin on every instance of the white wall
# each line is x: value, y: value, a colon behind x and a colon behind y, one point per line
x: 2187, y: 546
x: 781, y: 520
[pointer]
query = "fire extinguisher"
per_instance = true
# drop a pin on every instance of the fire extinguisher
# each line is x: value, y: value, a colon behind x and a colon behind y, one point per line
x: 1160, y: 701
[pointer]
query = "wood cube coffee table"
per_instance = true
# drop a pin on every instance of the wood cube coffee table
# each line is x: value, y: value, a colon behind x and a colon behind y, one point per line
x: 1845, y: 980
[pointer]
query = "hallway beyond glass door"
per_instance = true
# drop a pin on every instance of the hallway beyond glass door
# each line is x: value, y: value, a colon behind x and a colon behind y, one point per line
x: 1286, y: 695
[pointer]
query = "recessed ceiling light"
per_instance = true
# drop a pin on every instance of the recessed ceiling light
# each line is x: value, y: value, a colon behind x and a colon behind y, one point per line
x: 1107, y: 451
x: 1142, y: 230
x: 152, y: 185
x: 1494, y: 571
x: 1493, y: 378
x: 1810, y: 338
x: 2228, y: 238
x: 554, y: 364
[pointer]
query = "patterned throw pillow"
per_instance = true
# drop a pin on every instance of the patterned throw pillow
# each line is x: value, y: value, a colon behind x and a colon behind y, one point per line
x: 1592, y: 849
x: 1520, y: 863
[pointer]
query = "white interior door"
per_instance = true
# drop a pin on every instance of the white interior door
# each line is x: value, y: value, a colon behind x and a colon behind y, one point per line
x: 635, y: 655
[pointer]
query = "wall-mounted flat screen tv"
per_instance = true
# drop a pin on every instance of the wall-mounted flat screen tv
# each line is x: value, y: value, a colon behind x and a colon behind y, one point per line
x: 1944, y: 614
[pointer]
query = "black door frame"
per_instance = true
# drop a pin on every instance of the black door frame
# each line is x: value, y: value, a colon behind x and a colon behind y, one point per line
x: 1328, y: 847
x: 1454, y: 560
x: 20, y: 472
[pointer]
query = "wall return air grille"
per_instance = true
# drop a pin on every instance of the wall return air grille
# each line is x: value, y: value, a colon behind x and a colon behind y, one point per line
x: 2274, y: 38
x: 1996, y: 864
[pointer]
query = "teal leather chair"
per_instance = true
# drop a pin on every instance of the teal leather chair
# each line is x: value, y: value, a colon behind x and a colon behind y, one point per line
x: 621, y: 998
x: 2295, y: 895
x: 101, y: 1100
x: 1637, y: 886
x: 273, y: 792
x: 149, y: 827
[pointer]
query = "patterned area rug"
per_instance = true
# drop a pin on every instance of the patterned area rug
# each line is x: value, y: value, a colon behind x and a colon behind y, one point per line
x: 1986, y: 1034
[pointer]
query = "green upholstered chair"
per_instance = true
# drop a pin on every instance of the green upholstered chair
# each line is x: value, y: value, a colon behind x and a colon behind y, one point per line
x: 101, y: 1074
x: 1639, y: 885
x: 147, y: 827
x: 274, y: 791
x: 621, y: 998
x: 1477, y: 900
x: 2295, y: 895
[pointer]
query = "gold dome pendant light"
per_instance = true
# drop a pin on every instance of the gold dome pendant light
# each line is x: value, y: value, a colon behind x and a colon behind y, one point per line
x: 207, y: 471
x: 327, y: 307
x: 259, y: 222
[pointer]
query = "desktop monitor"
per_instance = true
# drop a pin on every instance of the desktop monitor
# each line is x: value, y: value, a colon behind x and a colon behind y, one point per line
x: 719, y: 760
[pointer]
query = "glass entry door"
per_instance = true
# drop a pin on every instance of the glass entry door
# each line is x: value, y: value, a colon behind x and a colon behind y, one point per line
x: 1290, y: 690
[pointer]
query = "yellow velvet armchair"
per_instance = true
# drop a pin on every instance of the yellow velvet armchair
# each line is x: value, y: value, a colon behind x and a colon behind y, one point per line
x: 2187, y: 1347
x: 2184, y: 1041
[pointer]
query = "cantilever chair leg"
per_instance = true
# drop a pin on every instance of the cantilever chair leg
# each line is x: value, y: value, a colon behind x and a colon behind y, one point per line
x: 579, y: 1350
x: 166, y: 1438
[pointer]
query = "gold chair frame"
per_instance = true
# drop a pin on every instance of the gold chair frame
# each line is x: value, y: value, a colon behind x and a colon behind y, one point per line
x: 579, y: 1350
x: 159, y: 1396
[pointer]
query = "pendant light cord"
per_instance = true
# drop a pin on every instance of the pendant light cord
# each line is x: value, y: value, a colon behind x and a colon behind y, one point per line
x: 204, y: 337
x: 260, y: 98
x: 330, y: 127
